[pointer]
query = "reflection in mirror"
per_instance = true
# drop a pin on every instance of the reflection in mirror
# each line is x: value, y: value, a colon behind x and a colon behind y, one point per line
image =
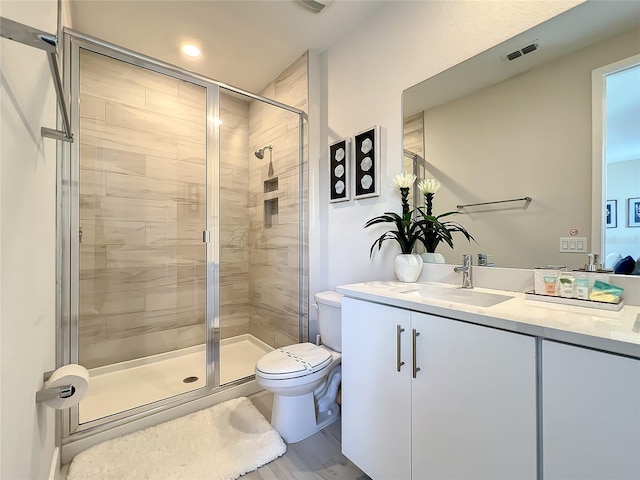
x: 493, y: 129
x: 414, y: 162
x: 616, y: 132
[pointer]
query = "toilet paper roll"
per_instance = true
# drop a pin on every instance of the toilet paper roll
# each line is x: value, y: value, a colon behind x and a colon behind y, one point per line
x: 74, y: 375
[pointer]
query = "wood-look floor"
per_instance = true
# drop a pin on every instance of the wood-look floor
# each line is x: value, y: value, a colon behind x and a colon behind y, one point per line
x: 316, y: 457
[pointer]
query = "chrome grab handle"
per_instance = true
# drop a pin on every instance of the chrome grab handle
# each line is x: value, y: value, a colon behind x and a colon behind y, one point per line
x: 414, y: 335
x: 399, y: 363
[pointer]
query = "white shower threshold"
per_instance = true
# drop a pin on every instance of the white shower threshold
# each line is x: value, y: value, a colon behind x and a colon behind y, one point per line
x: 126, y: 385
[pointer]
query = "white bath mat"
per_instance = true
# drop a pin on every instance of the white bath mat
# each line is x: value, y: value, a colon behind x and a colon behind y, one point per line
x: 219, y: 443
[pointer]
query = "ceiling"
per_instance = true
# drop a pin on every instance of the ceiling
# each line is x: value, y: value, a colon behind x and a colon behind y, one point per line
x: 245, y: 44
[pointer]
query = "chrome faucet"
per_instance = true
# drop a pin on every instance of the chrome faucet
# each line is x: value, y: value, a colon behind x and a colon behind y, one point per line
x: 467, y: 281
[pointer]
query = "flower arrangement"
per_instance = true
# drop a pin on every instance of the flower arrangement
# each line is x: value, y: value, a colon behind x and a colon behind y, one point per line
x: 406, y: 231
x: 433, y: 230
x: 418, y: 225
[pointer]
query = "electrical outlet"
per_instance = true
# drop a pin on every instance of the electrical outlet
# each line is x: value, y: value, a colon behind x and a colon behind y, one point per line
x: 573, y: 244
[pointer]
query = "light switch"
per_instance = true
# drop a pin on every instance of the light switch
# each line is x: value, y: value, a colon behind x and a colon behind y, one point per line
x: 573, y: 244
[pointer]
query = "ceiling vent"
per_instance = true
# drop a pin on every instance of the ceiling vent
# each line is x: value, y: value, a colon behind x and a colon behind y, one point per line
x: 531, y: 47
x: 316, y: 6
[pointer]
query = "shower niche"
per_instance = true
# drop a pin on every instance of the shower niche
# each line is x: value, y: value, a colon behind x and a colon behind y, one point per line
x: 271, y: 185
x: 270, y: 204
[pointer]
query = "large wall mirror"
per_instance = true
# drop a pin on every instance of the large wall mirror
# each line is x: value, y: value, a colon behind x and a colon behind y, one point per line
x: 495, y: 128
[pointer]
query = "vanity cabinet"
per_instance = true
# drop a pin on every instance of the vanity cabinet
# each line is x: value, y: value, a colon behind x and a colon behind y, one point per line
x: 591, y: 414
x: 430, y: 397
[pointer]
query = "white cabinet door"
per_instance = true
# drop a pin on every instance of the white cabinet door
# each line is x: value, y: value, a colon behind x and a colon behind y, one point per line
x: 376, y: 398
x: 474, y: 402
x: 591, y: 414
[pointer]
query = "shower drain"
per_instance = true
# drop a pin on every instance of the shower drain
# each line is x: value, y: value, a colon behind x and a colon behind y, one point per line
x: 190, y: 379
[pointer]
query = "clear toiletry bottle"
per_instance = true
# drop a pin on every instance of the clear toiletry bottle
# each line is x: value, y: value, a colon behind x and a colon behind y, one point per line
x: 566, y: 282
x: 550, y: 285
x: 582, y: 287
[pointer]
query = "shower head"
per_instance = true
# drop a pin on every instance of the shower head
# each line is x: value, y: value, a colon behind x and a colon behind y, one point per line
x: 260, y: 153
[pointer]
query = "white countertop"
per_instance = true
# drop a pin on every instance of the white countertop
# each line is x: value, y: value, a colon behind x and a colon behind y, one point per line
x: 616, y: 332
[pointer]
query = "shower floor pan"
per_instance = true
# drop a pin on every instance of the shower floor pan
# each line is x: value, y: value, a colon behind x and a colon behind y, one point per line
x: 120, y: 387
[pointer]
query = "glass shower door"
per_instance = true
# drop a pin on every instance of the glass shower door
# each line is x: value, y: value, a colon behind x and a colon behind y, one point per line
x: 259, y: 232
x: 142, y: 263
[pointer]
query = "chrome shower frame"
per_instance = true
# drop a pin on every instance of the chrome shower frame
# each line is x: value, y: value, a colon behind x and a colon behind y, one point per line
x: 68, y: 243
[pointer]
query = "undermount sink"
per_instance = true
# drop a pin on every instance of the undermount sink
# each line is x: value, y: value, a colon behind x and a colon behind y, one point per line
x: 458, y: 295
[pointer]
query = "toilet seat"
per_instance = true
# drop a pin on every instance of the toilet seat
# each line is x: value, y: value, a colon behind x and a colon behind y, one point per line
x: 293, y: 361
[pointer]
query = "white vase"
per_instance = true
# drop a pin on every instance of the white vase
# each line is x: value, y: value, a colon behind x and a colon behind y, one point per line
x: 407, y: 267
x: 433, y: 258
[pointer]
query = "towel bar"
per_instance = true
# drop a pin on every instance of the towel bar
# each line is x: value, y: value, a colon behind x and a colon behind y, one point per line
x: 526, y: 199
x: 33, y: 37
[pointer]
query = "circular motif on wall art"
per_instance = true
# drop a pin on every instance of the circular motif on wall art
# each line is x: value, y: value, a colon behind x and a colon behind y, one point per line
x: 365, y: 164
x: 340, y: 154
x: 366, y: 182
x: 339, y: 187
x: 366, y: 145
x: 339, y: 171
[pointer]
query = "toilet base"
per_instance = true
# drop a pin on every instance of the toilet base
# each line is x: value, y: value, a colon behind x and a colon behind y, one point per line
x: 295, y: 417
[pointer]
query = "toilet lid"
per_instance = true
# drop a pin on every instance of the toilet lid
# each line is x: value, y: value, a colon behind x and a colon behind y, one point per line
x: 293, y: 361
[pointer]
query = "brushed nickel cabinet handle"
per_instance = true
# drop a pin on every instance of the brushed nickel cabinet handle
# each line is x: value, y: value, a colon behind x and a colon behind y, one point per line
x: 414, y: 335
x: 399, y: 363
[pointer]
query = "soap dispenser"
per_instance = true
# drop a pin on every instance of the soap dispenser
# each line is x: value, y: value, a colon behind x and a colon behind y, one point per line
x: 592, y: 266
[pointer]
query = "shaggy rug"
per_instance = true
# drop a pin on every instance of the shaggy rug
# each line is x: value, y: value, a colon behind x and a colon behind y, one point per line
x: 218, y: 443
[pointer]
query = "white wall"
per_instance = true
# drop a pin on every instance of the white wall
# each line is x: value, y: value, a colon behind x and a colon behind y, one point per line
x: 27, y: 246
x: 363, y: 79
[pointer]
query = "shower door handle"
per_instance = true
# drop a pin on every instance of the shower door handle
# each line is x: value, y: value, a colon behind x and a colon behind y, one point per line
x: 399, y: 362
x: 414, y: 335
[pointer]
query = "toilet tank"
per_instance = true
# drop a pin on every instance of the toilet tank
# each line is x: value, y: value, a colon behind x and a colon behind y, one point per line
x: 330, y: 319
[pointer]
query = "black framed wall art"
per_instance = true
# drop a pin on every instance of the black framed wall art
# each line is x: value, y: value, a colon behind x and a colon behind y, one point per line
x: 633, y: 212
x: 612, y: 214
x: 366, y: 163
x: 339, y: 171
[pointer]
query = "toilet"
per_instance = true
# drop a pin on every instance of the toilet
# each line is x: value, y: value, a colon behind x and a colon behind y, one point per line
x: 304, y: 378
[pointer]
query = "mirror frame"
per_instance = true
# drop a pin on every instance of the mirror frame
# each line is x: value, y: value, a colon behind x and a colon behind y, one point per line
x: 598, y: 175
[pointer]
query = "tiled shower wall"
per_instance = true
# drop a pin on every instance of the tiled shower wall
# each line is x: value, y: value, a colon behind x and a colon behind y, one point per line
x: 142, y: 209
x: 274, y: 248
x: 413, y: 139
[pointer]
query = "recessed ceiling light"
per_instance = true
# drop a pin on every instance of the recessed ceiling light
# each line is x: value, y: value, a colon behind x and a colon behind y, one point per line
x: 191, y: 50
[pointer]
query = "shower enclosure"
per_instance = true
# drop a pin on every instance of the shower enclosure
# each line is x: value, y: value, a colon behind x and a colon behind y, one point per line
x: 181, y: 249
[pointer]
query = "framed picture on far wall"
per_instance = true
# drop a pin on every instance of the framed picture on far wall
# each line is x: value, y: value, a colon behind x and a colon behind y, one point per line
x: 612, y: 213
x: 339, y: 171
x: 633, y: 212
x: 366, y: 163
